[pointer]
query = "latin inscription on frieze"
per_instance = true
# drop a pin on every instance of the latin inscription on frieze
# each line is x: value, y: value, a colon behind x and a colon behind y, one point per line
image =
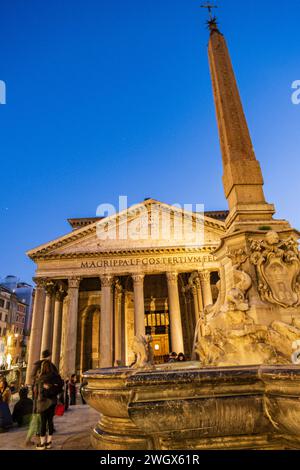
x: 159, y: 261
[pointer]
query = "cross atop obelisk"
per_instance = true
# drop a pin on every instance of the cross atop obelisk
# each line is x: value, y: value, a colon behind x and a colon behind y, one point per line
x: 209, y: 7
x: 212, y: 22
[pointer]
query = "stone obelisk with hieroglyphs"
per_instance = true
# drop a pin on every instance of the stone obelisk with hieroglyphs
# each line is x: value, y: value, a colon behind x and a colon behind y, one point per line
x: 242, y: 177
x: 257, y: 316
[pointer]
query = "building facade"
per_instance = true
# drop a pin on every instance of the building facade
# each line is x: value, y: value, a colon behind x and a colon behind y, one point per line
x: 97, y: 289
x: 24, y: 293
x: 12, y: 327
x: 5, y: 296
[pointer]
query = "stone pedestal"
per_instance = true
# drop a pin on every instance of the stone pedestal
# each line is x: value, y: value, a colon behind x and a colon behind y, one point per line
x: 256, y: 319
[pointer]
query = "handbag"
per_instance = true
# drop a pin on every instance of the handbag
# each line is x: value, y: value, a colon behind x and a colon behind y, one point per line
x: 59, y: 409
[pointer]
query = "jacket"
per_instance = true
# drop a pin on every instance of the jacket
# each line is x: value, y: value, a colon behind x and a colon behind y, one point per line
x: 46, y: 397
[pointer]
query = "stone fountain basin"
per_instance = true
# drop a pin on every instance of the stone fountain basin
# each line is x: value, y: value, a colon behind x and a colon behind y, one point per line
x: 183, y: 406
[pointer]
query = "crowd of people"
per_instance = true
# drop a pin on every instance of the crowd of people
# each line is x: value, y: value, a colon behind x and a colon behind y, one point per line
x: 174, y: 357
x: 50, y: 395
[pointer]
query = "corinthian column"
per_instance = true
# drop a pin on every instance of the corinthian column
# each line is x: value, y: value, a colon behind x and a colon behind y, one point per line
x: 196, y: 307
x: 206, y: 288
x: 36, y: 328
x: 106, y: 322
x: 70, y: 325
x: 199, y: 294
x: 175, y: 316
x: 57, y: 325
x: 139, y: 305
x: 48, y: 317
x: 118, y: 322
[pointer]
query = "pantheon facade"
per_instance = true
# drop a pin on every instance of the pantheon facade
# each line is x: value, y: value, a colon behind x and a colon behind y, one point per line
x: 95, y: 292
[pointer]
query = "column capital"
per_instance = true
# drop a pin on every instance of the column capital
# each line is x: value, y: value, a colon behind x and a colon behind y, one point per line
x: 138, y: 278
x: 106, y: 280
x: 39, y: 281
x: 197, y: 282
x: 60, y: 294
x: 204, y: 275
x: 172, y: 276
x: 74, y: 282
x: 49, y: 287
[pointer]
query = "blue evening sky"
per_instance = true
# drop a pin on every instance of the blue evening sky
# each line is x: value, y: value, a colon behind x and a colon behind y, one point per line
x: 113, y: 97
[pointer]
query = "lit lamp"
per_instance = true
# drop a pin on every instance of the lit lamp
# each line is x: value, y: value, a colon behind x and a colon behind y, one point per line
x: 156, y: 347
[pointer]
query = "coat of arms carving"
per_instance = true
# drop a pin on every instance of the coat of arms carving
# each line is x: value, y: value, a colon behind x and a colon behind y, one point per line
x: 278, y: 269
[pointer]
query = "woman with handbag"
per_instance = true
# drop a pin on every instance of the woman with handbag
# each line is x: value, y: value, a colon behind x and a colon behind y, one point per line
x: 47, y: 391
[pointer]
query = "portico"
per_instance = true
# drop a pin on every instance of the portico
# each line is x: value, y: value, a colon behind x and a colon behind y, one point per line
x: 93, y: 297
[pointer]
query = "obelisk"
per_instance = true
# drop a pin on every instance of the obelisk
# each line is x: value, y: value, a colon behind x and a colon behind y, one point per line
x: 242, y: 176
x: 250, y: 222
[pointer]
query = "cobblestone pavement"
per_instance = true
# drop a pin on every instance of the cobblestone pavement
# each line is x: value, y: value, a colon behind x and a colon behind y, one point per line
x: 73, y: 431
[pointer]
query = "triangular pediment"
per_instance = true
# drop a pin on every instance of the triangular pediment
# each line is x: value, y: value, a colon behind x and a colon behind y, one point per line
x: 150, y: 224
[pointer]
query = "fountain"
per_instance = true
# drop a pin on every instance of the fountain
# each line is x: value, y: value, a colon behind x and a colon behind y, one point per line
x: 241, y: 391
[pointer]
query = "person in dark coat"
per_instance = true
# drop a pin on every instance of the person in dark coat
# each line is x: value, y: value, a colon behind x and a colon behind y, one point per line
x: 66, y: 395
x: 172, y: 357
x: 5, y: 415
x: 181, y: 357
x: 72, y: 390
x: 47, y: 391
x: 23, y: 408
x: 82, y: 385
x: 46, y: 356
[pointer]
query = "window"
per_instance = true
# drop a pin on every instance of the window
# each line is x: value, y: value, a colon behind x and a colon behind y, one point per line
x: 1, y: 303
x: 7, y: 305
